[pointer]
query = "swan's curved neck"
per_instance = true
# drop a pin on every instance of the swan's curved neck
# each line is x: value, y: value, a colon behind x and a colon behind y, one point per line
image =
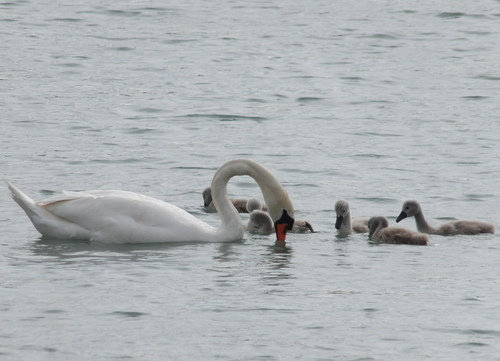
x: 231, y: 220
x: 274, y: 194
x: 422, y: 225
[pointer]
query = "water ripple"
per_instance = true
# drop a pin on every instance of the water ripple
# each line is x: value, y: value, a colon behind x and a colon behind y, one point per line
x: 131, y: 314
x: 227, y: 117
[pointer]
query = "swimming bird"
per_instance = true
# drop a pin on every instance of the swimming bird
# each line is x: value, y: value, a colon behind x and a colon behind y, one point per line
x: 379, y: 229
x: 253, y: 204
x: 344, y: 225
x: 413, y: 209
x: 260, y: 222
x: 239, y: 203
x: 126, y: 217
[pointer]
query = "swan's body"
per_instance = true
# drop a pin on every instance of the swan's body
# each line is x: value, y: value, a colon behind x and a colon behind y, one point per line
x: 412, y: 209
x: 259, y: 221
x: 239, y: 203
x: 344, y: 224
x: 126, y: 217
x: 379, y: 229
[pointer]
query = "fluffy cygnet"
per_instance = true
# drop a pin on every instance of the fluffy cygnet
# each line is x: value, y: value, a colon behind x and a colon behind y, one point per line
x: 379, y: 229
x: 344, y: 224
x: 412, y: 209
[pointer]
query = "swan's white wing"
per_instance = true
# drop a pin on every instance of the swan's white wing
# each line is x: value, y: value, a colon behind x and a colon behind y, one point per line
x: 119, y: 216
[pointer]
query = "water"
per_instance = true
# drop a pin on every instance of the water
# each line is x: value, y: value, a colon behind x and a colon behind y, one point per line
x: 374, y: 102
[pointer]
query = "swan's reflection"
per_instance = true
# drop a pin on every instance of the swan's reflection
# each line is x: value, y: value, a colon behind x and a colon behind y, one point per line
x: 279, y: 257
x: 71, y: 251
x: 243, y: 259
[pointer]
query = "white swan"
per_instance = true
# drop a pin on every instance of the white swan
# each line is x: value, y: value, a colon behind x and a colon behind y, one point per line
x: 239, y: 203
x: 380, y: 230
x: 412, y: 209
x: 260, y: 222
x: 344, y: 225
x: 126, y: 217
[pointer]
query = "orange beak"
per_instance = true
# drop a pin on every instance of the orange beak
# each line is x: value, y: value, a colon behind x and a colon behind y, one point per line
x: 283, y: 225
x: 281, y: 230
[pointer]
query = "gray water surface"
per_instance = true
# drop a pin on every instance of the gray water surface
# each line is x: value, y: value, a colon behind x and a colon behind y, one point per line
x: 375, y: 102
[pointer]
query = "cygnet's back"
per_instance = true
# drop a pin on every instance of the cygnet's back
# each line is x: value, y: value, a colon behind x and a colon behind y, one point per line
x: 379, y: 229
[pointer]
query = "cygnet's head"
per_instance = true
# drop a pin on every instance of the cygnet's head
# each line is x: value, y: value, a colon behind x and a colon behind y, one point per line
x: 207, y: 196
x: 410, y: 208
x: 260, y: 222
x: 253, y: 204
x: 302, y: 226
x: 375, y: 223
x: 342, y: 210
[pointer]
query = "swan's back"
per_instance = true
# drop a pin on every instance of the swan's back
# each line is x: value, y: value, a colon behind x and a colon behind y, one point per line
x: 112, y: 217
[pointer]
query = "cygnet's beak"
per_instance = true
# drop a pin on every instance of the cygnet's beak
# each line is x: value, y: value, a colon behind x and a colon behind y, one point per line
x: 283, y: 225
x: 339, y: 221
x: 401, y: 216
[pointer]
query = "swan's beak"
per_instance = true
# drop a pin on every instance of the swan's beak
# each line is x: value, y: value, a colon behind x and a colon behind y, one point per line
x: 283, y: 225
x: 338, y: 224
x: 401, y: 216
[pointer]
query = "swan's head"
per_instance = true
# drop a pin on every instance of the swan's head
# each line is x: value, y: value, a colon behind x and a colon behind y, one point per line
x: 410, y: 208
x: 279, y: 205
x: 283, y: 225
x: 281, y: 210
x: 342, y: 210
x: 207, y: 196
x: 375, y: 223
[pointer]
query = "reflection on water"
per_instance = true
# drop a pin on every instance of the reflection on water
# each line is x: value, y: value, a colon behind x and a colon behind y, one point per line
x: 279, y: 258
x: 71, y: 251
x: 226, y: 252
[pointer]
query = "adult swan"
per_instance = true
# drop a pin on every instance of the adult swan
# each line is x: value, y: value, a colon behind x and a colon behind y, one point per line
x: 126, y: 217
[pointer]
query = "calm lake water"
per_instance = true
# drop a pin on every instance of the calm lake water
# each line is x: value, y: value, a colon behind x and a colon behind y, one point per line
x: 375, y: 102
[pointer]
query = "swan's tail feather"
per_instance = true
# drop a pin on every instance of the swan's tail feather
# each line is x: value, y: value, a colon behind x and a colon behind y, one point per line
x: 47, y: 223
x: 22, y: 199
